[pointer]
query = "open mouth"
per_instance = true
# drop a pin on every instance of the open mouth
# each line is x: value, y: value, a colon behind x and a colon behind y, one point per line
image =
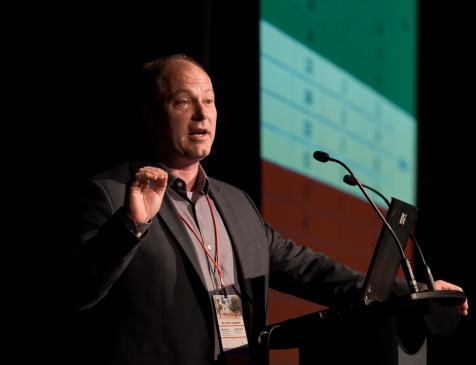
x: 198, y: 132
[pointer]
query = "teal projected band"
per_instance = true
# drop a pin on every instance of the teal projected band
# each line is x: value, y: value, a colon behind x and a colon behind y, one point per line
x: 309, y: 102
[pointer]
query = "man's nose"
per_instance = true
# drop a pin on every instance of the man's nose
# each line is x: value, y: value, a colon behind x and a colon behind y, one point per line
x: 199, y: 112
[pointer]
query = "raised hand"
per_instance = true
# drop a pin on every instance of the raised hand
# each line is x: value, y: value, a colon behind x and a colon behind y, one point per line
x: 145, y: 193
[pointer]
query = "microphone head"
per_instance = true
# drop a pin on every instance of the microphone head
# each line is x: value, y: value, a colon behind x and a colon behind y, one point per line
x: 321, y: 156
x: 349, y: 180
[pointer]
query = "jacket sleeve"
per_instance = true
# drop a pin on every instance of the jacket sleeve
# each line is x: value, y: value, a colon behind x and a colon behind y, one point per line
x: 311, y: 275
x: 314, y: 276
x: 103, y: 246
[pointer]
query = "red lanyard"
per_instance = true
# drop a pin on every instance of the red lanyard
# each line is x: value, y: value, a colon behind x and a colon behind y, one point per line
x: 199, y: 239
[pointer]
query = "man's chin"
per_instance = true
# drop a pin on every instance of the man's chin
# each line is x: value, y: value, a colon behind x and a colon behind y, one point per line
x: 202, y: 153
x: 198, y: 155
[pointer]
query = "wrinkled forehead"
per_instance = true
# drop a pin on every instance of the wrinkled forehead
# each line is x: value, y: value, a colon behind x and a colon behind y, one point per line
x: 181, y: 74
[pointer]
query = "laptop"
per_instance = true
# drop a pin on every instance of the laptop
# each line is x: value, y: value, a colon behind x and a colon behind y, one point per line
x: 386, y: 257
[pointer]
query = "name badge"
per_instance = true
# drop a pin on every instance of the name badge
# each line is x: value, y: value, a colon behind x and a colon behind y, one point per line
x: 229, y: 316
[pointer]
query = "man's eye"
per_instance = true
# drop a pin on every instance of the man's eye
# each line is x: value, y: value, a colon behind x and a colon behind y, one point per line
x: 209, y: 101
x: 181, y: 102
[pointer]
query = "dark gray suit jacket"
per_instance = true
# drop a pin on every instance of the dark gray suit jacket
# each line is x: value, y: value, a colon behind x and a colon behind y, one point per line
x: 143, y: 301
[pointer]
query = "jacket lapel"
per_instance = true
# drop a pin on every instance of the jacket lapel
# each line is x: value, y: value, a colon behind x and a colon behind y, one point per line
x: 229, y: 215
x: 230, y: 219
x: 170, y: 216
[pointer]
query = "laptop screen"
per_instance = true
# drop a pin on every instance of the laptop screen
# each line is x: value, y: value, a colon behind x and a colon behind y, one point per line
x: 386, y: 258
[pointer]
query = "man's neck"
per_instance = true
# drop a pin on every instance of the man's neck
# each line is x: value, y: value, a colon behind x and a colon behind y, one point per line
x: 188, y: 174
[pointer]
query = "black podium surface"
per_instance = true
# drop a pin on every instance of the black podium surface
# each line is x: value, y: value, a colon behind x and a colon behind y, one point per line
x: 391, y: 332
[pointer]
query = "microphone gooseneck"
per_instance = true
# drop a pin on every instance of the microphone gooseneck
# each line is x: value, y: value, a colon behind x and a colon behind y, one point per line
x: 407, y: 270
x: 350, y: 180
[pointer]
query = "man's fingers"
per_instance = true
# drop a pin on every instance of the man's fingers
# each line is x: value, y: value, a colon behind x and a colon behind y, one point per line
x: 443, y: 285
x: 151, y: 177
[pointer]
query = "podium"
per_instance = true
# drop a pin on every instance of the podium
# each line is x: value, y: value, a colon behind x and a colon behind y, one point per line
x: 392, y: 332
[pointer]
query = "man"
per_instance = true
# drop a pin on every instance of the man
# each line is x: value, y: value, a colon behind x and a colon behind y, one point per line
x: 164, y: 252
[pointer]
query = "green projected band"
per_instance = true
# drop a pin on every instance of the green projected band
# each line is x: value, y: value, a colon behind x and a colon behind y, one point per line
x: 336, y: 79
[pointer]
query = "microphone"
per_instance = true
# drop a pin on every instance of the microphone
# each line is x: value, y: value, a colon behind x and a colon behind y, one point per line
x: 350, y: 180
x: 407, y: 270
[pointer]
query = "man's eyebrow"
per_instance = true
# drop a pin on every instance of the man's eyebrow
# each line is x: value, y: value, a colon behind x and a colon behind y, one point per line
x: 188, y: 91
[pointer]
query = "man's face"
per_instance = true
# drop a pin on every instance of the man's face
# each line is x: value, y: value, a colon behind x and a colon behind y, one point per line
x: 190, y: 113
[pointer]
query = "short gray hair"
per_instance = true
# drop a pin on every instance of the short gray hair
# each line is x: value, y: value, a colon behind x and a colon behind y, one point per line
x: 154, y: 76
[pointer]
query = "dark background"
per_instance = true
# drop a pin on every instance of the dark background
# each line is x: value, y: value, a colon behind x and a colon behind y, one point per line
x: 78, y: 90
x: 445, y: 191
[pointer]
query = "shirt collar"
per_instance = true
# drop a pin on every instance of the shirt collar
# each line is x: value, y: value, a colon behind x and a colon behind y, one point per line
x: 179, y: 185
